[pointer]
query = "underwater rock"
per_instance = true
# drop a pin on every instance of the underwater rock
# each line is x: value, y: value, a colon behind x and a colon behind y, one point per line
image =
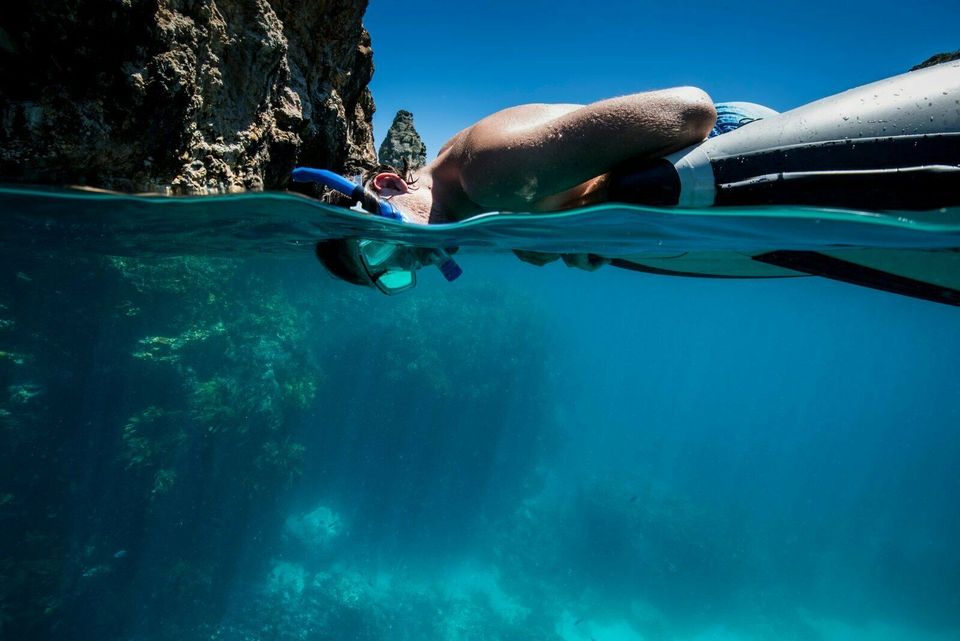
x: 476, y: 585
x: 937, y: 59
x: 350, y: 602
x: 315, y: 529
x: 162, y: 349
x: 192, y: 96
x: 403, y: 144
x: 287, y: 581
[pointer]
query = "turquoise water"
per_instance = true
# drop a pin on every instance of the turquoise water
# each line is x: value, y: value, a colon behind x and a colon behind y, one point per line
x: 287, y: 223
x: 203, y: 436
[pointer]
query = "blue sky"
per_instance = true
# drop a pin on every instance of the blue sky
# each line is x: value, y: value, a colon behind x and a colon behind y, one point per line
x: 451, y: 63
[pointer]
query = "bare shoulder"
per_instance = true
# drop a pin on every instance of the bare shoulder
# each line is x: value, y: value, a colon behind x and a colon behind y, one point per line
x: 518, y: 156
x: 502, y: 128
x: 515, y: 121
x: 667, y: 110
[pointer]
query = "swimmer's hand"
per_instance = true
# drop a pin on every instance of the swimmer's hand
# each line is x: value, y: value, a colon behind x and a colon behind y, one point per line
x: 588, y: 262
x: 535, y: 258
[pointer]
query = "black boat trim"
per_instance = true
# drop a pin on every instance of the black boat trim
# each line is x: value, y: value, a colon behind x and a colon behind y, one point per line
x: 647, y: 269
x: 817, y: 264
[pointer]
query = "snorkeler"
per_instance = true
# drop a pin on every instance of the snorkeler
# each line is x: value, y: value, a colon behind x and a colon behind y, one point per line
x: 533, y: 158
x: 651, y: 149
x: 546, y: 157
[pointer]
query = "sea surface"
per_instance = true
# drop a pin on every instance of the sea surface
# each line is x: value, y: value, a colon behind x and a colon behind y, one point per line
x: 203, y: 436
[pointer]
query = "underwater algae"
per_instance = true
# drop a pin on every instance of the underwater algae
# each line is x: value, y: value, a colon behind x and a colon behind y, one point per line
x: 160, y: 414
x: 177, y: 371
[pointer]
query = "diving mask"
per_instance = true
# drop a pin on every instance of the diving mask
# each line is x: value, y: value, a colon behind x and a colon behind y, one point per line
x: 393, y: 268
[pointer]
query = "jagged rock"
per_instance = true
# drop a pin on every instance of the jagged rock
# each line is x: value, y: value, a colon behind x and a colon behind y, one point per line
x: 402, y: 142
x: 221, y: 95
x: 937, y: 59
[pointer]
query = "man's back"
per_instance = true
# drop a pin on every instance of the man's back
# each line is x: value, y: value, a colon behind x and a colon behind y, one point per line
x: 543, y: 157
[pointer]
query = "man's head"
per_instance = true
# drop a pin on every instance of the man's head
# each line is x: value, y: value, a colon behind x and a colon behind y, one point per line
x: 341, y: 258
x: 405, y: 189
x: 412, y: 194
x: 401, y: 187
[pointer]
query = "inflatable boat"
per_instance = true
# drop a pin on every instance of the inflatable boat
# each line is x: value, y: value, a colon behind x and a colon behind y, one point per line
x: 889, y: 145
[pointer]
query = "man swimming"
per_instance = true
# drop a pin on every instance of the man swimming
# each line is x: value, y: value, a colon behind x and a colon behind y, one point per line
x: 540, y: 158
x: 546, y: 157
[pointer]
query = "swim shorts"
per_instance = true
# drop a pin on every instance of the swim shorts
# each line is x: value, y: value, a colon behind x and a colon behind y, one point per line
x: 733, y: 115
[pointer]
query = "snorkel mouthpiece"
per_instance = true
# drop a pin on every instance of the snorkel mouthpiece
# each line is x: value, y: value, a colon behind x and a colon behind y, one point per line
x: 389, y: 211
x: 357, y: 193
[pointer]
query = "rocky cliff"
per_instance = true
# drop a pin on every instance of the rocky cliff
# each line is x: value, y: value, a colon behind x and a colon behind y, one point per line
x: 403, y: 143
x: 195, y: 96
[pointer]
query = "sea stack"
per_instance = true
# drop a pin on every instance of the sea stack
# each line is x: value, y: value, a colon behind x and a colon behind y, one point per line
x: 403, y: 143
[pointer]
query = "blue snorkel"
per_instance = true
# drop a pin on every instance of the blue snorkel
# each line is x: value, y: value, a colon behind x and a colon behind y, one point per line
x: 375, y: 205
x: 367, y: 199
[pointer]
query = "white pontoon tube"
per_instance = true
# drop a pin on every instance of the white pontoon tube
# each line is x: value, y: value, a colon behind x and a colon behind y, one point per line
x: 892, y: 144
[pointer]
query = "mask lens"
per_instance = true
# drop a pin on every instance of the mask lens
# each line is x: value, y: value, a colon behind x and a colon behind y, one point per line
x: 391, y: 267
x: 396, y: 282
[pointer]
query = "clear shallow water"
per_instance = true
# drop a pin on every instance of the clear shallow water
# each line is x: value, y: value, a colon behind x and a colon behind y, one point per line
x: 286, y: 223
x: 243, y: 448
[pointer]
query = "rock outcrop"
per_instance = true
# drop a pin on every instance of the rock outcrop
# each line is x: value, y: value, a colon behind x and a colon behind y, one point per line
x: 403, y: 143
x: 937, y: 59
x: 219, y: 95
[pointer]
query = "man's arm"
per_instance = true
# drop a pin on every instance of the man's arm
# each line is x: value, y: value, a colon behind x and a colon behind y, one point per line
x: 506, y: 163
